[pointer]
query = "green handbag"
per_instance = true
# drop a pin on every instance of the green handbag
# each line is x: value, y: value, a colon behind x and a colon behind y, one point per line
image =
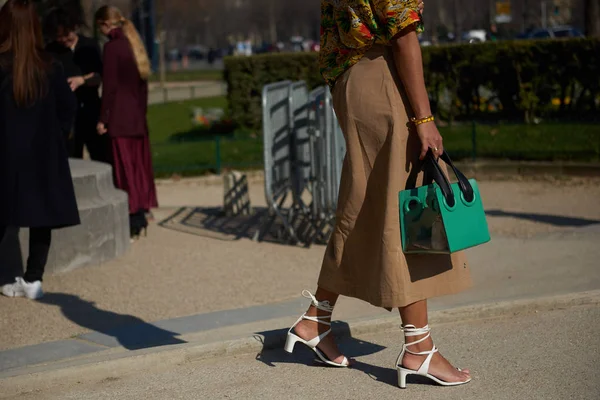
x: 442, y: 218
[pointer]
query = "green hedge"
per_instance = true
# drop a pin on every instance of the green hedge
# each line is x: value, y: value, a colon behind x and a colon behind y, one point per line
x: 246, y: 76
x: 518, y: 81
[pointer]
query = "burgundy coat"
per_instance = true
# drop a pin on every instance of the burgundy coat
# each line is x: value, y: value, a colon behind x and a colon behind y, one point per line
x: 124, y: 92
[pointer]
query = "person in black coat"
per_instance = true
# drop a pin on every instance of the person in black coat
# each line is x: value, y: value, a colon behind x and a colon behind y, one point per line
x: 82, y: 61
x: 37, y: 108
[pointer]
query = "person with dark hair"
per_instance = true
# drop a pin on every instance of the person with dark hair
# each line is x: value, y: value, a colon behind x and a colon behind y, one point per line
x: 37, y: 108
x: 82, y: 61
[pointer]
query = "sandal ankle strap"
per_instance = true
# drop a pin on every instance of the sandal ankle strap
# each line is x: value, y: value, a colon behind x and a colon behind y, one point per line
x: 319, y: 305
x: 321, y: 319
x: 325, y: 320
x: 411, y: 331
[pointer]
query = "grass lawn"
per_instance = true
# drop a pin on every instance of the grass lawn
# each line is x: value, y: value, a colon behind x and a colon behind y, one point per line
x: 180, y: 147
x: 189, y: 76
x: 166, y: 120
x: 543, y: 142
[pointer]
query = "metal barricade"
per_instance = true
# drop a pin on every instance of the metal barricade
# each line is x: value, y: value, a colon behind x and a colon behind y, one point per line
x: 300, y: 141
x: 277, y: 131
x: 304, y: 150
x: 320, y: 173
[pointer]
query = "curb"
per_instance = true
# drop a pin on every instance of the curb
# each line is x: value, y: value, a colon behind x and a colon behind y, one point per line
x: 108, y: 366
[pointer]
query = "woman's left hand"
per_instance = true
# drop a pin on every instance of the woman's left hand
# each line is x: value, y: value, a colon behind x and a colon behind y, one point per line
x: 421, y: 6
x: 430, y: 139
x: 75, y: 82
x: 101, y: 128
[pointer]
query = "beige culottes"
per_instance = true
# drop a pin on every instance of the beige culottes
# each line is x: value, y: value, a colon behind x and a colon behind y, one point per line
x: 364, y: 257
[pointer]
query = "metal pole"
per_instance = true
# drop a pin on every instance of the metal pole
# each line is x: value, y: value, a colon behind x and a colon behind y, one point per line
x: 272, y: 22
x: 161, y: 65
x: 525, y: 15
x: 456, y: 29
x: 142, y: 21
x: 544, y: 15
x: 218, y: 153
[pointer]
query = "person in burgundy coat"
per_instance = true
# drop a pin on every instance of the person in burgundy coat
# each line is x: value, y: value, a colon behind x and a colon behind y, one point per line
x: 123, y: 113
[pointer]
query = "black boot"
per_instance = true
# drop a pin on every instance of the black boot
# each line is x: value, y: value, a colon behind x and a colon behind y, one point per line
x: 138, y: 224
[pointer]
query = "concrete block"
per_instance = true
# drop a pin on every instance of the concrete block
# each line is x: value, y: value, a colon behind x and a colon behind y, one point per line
x: 104, y: 231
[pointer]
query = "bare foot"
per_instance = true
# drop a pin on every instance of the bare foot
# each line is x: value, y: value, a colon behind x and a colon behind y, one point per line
x: 439, y: 366
x: 308, y: 330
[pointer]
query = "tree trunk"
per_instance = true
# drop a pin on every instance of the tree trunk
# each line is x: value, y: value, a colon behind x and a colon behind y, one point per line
x: 592, y: 18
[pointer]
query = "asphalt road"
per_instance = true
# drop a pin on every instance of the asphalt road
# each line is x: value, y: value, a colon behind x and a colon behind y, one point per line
x: 547, y: 355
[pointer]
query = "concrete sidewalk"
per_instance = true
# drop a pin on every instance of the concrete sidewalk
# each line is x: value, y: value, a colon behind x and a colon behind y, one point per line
x: 507, y: 269
x: 173, y: 285
x: 532, y: 352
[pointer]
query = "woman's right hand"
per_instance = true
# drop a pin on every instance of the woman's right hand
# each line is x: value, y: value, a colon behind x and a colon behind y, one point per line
x: 101, y: 128
x: 430, y: 139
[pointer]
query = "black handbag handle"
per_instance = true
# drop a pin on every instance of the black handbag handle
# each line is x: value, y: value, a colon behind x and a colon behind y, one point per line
x: 438, y: 176
x: 463, y: 182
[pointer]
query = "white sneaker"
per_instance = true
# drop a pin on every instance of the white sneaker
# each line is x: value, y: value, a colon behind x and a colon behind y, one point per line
x: 21, y: 288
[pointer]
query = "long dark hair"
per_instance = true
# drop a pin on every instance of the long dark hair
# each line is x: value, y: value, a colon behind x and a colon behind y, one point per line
x: 21, y: 48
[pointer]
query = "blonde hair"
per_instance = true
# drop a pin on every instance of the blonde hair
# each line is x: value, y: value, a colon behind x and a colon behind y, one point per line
x: 113, y: 16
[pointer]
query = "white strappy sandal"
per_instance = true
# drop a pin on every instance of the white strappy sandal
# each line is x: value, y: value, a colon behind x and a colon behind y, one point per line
x: 410, y: 331
x: 292, y: 338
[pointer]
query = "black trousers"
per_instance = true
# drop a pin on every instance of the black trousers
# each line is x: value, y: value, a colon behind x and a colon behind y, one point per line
x: 85, y: 134
x: 39, y: 247
x: 137, y: 223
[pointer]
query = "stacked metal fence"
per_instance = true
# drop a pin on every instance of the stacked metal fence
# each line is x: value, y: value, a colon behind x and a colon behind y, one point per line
x: 304, y: 149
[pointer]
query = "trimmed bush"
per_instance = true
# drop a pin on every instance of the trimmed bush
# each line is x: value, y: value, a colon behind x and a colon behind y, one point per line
x: 246, y: 77
x: 517, y: 81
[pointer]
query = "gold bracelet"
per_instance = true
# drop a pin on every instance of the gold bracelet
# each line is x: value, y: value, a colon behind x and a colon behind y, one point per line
x: 419, y: 121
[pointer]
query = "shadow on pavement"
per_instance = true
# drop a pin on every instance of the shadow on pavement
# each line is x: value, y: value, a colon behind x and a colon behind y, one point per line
x: 389, y: 375
x: 273, y: 342
x: 213, y: 223
x: 555, y: 220
x: 130, y: 332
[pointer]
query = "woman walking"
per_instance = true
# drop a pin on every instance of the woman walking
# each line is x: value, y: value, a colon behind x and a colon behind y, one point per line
x: 123, y: 114
x: 37, y: 108
x: 370, y: 56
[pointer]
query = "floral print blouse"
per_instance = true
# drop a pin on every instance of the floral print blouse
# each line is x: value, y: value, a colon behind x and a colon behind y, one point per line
x: 350, y: 27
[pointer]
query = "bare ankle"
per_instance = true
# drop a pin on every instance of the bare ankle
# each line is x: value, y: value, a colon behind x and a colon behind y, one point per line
x: 425, y: 345
x: 315, y: 312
